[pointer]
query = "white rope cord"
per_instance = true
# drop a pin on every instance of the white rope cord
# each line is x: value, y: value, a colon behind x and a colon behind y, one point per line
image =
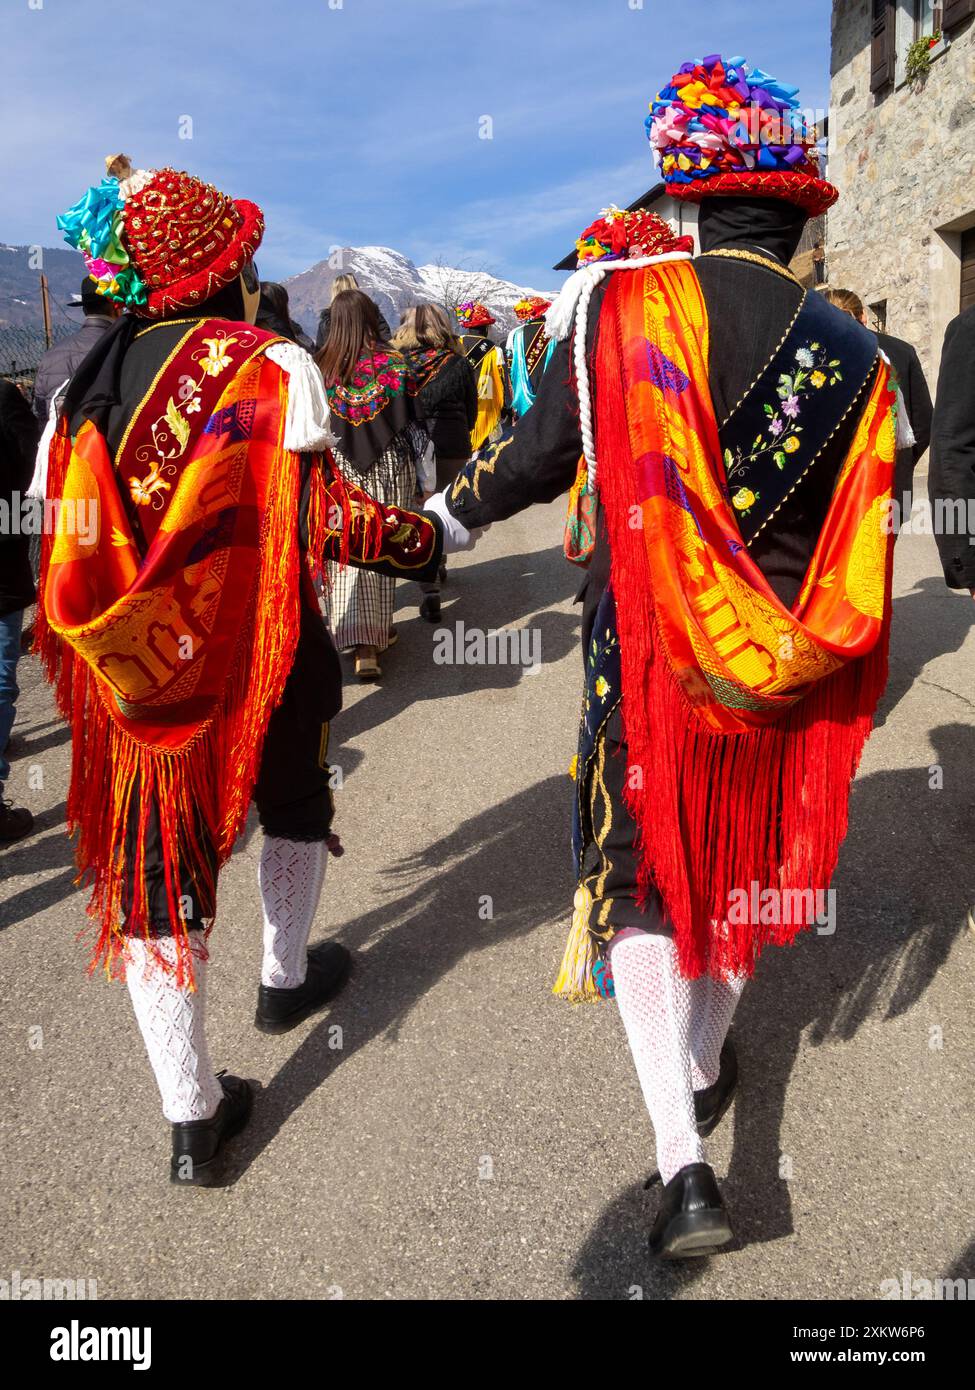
x: 906, y: 438
x: 571, y: 310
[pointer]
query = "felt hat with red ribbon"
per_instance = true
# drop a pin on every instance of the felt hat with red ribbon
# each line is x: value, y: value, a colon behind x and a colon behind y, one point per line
x: 159, y: 240
x: 622, y: 234
x: 533, y: 307
x: 473, y: 314
x: 725, y: 128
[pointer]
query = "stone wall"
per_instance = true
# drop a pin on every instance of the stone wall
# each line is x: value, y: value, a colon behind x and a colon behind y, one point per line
x: 903, y: 160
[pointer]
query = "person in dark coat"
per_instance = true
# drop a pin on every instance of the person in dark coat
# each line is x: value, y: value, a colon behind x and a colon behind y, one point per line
x: 693, y: 529
x: 18, y: 444
x: 340, y: 283
x: 446, y: 404
x: 274, y: 314
x: 914, y: 388
x: 951, y: 483
x: 60, y: 362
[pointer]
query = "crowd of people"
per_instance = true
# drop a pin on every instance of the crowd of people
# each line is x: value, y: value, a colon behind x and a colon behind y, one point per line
x: 729, y: 443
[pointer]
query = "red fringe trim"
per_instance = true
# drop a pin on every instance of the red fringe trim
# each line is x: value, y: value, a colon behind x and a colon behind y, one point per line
x: 717, y: 813
x: 203, y: 791
x: 343, y: 520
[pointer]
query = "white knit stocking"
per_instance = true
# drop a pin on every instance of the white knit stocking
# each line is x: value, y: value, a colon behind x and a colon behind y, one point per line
x: 655, y: 1005
x: 713, y: 1004
x: 172, y: 1022
x: 291, y: 875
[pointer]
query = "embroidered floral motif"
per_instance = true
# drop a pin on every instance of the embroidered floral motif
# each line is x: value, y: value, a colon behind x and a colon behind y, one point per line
x: 171, y: 431
x: 783, y: 437
x: 148, y: 491
x: 744, y: 499
x: 217, y: 359
x: 376, y: 380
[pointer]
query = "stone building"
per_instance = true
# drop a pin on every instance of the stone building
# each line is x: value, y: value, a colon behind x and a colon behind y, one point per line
x: 901, y: 152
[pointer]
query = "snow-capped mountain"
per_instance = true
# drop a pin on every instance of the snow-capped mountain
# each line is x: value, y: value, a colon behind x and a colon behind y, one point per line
x: 20, y: 294
x: 395, y: 283
x: 391, y: 278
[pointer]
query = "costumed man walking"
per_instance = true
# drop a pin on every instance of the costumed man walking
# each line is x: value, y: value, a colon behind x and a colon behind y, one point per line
x: 487, y: 360
x: 738, y: 438
x: 529, y: 350
x: 184, y: 639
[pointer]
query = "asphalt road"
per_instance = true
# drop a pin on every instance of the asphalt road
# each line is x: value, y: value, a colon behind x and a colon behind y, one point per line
x: 449, y: 1129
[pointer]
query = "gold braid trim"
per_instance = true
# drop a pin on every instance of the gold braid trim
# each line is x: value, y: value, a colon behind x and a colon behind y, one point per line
x: 731, y: 254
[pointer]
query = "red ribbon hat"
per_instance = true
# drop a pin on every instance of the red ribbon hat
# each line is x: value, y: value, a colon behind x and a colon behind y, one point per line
x: 159, y: 240
x: 723, y: 127
x: 531, y: 308
x: 473, y: 314
x: 620, y: 234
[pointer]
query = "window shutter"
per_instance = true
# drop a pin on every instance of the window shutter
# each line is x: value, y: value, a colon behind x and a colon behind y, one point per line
x: 968, y: 269
x: 882, y: 51
x: 955, y: 11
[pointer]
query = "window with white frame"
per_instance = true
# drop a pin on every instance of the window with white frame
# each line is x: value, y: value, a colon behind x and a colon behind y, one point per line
x: 927, y: 18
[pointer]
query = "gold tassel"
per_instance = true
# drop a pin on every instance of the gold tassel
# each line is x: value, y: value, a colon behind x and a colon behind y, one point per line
x: 575, y: 981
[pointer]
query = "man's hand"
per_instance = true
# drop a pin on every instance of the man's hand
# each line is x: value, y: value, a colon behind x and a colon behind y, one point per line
x: 456, y: 537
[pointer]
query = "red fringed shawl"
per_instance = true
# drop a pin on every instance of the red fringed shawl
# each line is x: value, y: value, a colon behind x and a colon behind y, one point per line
x: 746, y: 721
x: 169, y: 637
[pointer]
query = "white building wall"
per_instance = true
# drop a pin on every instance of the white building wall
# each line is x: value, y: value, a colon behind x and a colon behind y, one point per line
x: 904, y: 161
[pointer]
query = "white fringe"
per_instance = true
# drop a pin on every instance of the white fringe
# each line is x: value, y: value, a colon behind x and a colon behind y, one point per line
x: 307, y: 428
x: 906, y: 438
x: 571, y: 310
x: 38, y: 483
x: 135, y: 183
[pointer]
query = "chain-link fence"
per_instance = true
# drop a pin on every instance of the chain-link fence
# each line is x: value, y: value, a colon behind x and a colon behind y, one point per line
x: 22, y: 348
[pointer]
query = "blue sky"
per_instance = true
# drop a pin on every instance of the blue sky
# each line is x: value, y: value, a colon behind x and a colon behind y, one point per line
x: 355, y: 122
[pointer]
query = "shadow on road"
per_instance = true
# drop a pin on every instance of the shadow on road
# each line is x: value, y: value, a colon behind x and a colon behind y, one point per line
x: 38, y: 853
x: 430, y: 922
x: 902, y: 888
x: 928, y: 622
x: 498, y: 593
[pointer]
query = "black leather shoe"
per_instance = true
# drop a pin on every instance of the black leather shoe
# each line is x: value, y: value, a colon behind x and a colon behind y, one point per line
x: 278, y: 1010
x: 15, y: 822
x: 430, y: 608
x: 710, y: 1105
x: 692, y: 1219
x: 198, y: 1144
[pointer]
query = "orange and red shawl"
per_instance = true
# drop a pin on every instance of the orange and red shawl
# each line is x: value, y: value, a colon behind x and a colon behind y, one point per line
x: 170, y: 636
x: 746, y: 719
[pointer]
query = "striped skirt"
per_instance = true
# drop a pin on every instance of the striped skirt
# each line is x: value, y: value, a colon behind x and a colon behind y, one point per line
x: 359, y: 602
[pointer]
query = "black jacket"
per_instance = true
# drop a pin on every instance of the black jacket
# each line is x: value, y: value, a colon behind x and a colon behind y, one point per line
x: 285, y: 328
x: 952, y: 477
x: 750, y: 308
x: 448, y: 408
x: 61, y: 361
x: 917, y: 399
x: 19, y: 433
